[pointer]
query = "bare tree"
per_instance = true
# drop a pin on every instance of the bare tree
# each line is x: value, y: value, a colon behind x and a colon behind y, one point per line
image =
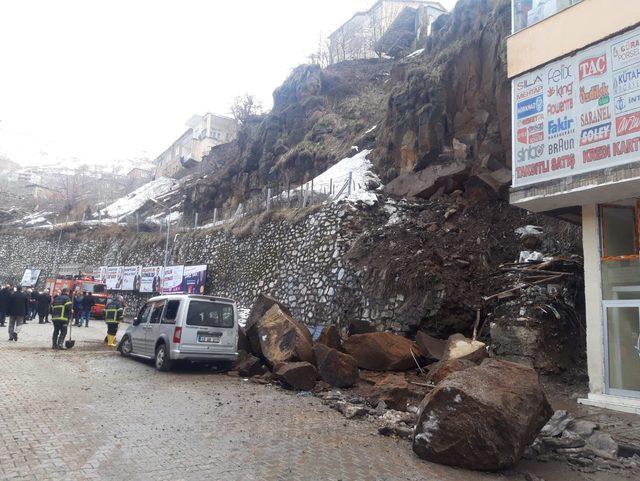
x: 244, y: 107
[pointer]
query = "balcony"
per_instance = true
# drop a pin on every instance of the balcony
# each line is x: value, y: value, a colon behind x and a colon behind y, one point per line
x: 530, y: 12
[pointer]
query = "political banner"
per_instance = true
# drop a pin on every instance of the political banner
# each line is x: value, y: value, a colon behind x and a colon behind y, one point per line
x: 130, y: 278
x: 151, y: 279
x: 195, y: 278
x: 102, y: 274
x: 30, y: 277
x: 172, y: 280
x: 114, y: 278
x: 578, y: 114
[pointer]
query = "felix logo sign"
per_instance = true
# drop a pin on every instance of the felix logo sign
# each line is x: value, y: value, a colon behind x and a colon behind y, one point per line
x: 593, y: 67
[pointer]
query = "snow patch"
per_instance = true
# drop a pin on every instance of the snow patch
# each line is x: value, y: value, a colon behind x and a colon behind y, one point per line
x: 429, y: 427
x: 371, y: 129
x: 415, y: 53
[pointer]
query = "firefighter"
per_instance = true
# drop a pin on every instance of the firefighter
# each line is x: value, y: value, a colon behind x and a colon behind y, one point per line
x: 113, y: 314
x: 61, y: 312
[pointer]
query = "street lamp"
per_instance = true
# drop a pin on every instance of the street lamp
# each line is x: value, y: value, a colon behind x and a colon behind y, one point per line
x: 166, y: 245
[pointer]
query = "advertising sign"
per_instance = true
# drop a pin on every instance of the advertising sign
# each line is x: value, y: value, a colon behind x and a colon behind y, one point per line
x: 102, y: 274
x: 578, y: 114
x: 114, y: 278
x: 30, y: 277
x: 195, y: 278
x: 130, y: 278
x: 172, y: 280
x: 151, y: 279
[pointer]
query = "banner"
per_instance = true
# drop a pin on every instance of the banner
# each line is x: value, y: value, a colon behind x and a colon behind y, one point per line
x: 102, y: 275
x: 172, y: 280
x: 114, y: 278
x: 30, y: 277
x: 151, y: 279
x: 578, y: 114
x: 195, y: 278
x: 130, y: 278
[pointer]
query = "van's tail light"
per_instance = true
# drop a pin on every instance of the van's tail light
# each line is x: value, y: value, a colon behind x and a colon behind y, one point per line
x: 177, y: 334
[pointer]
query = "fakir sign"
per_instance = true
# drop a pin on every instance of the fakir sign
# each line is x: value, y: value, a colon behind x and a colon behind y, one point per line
x: 578, y: 114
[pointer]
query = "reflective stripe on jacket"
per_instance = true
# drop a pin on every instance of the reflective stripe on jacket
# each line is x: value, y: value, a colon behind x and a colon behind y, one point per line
x: 61, y: 312
x: 113, y: 314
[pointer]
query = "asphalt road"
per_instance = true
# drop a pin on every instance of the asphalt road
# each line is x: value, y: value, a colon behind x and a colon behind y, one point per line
x: 88, y: 414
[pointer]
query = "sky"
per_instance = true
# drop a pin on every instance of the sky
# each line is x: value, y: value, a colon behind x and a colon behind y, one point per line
x: 105, y: 81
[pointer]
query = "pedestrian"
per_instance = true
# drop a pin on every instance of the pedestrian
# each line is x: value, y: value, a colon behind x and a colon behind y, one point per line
x: 77, y: 308
x: 113, y: 314
x: 18, y: 309
x: 61, y: 312
x: 5, y: 295
x: 44, y: 304
x: 87, y: 304
x: 33, y: 303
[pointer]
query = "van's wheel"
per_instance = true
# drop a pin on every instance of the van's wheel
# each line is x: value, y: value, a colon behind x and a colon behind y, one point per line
x: 163, y: 361
x: 125, y: 346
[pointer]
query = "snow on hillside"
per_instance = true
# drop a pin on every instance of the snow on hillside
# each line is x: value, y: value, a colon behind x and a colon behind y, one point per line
x: 136, y: 199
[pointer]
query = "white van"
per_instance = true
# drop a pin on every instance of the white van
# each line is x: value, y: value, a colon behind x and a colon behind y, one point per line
x: 184, y: 327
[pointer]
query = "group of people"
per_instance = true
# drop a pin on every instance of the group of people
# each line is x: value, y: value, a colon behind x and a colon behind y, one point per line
x: 64, y: 307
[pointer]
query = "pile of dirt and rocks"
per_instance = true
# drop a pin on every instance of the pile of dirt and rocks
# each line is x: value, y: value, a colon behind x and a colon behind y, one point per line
x: 451, y: 398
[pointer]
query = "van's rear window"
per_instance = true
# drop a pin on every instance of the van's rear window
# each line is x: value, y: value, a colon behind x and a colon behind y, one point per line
x: 209, y: 314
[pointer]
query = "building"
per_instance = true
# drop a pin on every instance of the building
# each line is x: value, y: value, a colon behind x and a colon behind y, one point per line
x: 203, y: 133
x: 575, y: 72
x: 359, y: 37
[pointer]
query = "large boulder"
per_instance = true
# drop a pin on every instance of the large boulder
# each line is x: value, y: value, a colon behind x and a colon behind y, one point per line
x: 330, y: 336
x: 248, y: 365
x: 301, y: 376
x: 439, y: 371
x: 281, y: 338
x: 335, y: 368
x: 260, y: 307
x: 482, y: 417
x: 382, y: 351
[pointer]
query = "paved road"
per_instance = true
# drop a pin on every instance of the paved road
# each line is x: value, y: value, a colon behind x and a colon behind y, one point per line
x: 88, y: 414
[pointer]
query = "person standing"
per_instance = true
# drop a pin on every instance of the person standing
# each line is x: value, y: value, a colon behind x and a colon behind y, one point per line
x: 113, y: 314
x: 33, y: 304
x: 77, y: 308
x: 18, y: 309
x: 5, y: 295
x: 61, y: 312
x: 44, y: 304
x: 87, y: 303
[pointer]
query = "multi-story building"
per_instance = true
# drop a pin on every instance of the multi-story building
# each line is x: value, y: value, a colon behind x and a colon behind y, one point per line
x: 575, y: 72
x: 358, y: 37
x: 203, y: 133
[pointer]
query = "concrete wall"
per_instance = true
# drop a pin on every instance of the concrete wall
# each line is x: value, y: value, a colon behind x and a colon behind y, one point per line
x: 568, y: 31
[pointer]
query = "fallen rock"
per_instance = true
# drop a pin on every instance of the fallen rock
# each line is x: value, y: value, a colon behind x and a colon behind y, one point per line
x: 442, y: 369
x: 460, y: 347
x: 382, y: 351
x: 281, y: 338
x: 301, y: 376
x: 557, y: 424
x: 335, y: 368
x: 430, y: 347
x: 603, y: 445
x: 260, y: 307
x: 330, y: 337
x: 360, y: 327
x: 243, y: 341
x: 582, y: 427
x: 482, y: 418
x: 249, y: 366
x: 391, y: 388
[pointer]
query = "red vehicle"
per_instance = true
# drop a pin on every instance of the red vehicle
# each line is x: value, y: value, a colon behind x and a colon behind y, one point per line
x: 82, y: 284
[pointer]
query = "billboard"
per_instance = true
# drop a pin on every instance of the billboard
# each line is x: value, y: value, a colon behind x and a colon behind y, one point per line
x: 130, y: 278
x: 30, y: 277
x: 172, y: 280
x: 578, y: 114
x: 114, y: 278
x: 151, y: 279
x: 195, y: 278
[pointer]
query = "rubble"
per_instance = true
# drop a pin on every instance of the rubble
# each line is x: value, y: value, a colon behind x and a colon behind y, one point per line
x: 248, y: 365
x: 442, y: 369
x: 335, y: 368
x: 330, y: 336
x: 392, y: 389
x: 482, y: 418
x: 301, y: 376
x: 382, y: 351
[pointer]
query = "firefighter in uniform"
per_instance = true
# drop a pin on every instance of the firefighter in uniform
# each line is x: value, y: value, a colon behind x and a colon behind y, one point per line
x: 61, y: 313
x: 113, y: 314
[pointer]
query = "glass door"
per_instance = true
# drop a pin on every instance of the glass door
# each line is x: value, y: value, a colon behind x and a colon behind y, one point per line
x: 622, y: 343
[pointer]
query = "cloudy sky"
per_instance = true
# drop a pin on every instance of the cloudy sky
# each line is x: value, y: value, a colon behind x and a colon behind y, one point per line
x: 103, y: 80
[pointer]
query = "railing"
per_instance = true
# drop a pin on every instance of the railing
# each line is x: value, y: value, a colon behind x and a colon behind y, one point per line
x: 529, y: 12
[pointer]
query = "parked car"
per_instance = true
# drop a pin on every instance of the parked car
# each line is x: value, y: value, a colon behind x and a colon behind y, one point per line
x: 185, y: 327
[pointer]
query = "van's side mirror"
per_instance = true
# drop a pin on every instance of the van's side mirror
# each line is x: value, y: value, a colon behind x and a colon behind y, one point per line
x: 136, y: 321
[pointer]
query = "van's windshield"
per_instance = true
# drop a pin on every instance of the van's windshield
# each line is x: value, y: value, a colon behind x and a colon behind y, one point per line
x: 209, y: 314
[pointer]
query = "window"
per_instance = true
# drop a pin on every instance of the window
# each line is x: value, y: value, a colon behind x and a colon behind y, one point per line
x: 171, y: 312
x: 156, y: 312
x: 143, y: 316
x: 530, y: 12
x: 619, y: 231
x: 210, y: 314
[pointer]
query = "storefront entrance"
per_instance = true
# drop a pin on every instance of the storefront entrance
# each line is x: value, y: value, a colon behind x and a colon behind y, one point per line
x: 620, y: 262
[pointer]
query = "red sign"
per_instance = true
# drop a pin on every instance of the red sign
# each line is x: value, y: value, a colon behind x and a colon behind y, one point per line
x: 593, y: 67
x: 628, y: 124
